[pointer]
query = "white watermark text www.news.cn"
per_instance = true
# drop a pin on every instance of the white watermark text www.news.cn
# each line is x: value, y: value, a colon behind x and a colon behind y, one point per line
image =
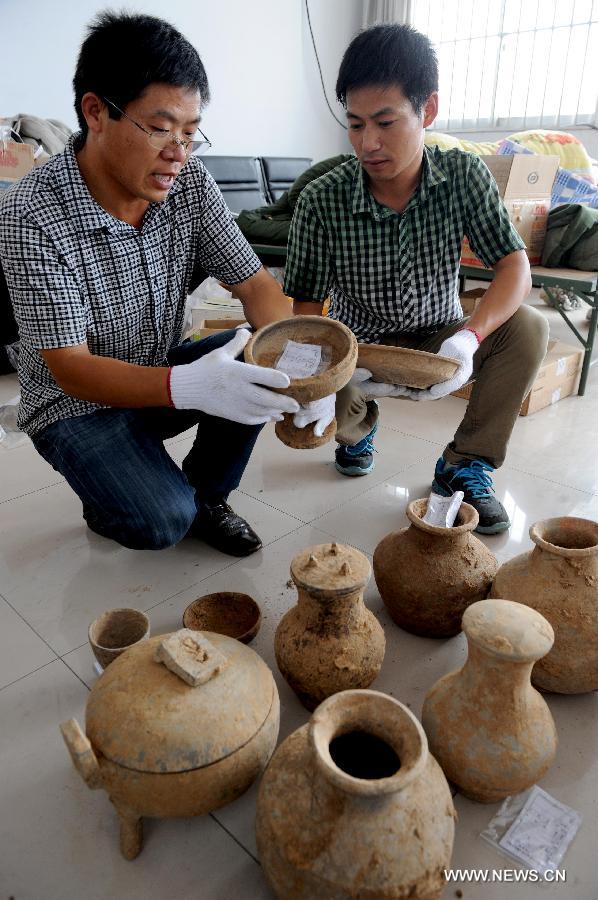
x: 493, y: 876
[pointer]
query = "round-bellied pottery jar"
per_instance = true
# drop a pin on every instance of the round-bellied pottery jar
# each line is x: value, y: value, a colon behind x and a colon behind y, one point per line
x: 177, y: 726
x: 489, y: 729
x: 428, y: 575
x: 330, y: 641
x: 559, y: 578
x: 354, y: 805
x: 338, y: 360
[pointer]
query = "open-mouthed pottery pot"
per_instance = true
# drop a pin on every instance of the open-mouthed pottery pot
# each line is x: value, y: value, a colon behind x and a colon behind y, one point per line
x: 225, y: 612
x: 336, y: 365
x: 178, y: 725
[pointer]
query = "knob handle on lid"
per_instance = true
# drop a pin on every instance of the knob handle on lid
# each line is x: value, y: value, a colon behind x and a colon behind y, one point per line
x: 191, y: 656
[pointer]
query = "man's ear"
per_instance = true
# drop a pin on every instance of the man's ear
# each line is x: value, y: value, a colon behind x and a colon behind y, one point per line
x: 430, y: 109
x: 94, y: 111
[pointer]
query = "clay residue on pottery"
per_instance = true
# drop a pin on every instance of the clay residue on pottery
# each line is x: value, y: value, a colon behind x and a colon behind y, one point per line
x: 428, y: 576
x: 489, y: 729
x: 330, y: 641
x: 339, y: 347
x: 559, y: 579
x: 161, y: 747
x: 326, y: 833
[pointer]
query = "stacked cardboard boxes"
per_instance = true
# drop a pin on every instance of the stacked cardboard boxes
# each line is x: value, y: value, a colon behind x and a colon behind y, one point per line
x: 525, y: 184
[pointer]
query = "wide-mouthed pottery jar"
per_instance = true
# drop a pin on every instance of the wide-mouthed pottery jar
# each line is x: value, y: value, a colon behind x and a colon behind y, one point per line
x: 354, y: 805
x: 489, y: 729
x: 559, y: 578
x: 330, y: 641
x: 338, y: 358
x: 177, y: 726
x: 428, y: 575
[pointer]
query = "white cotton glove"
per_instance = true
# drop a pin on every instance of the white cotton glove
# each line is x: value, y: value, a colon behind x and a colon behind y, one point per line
x: 462, y: 347
x: 220, y: 385
x: 362, y: 378
x: 321, y: 412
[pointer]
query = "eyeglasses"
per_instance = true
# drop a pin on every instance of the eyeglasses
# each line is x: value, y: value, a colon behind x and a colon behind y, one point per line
x: 160, y: 140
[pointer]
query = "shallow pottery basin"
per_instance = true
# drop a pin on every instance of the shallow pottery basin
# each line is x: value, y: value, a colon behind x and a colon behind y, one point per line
x: 401, y: 365
x: 179, y: 725
x: 339, y: 358
x: 226, y: 612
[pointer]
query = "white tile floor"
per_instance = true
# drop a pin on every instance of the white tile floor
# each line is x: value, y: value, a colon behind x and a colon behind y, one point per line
x: 58, y: 840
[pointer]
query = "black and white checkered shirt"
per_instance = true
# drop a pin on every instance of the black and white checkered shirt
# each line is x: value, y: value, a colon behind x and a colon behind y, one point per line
x: 78, y: 275
x: 387, y: 272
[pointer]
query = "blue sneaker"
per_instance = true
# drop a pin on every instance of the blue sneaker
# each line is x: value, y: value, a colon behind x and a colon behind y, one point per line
x: 357, y: 459
x: 473, y: 479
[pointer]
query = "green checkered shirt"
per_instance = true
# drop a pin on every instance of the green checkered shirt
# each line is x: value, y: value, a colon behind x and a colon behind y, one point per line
x: 386, y: 271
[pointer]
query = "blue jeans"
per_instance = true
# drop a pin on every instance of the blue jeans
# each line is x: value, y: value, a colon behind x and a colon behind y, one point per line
x: 131, y: 489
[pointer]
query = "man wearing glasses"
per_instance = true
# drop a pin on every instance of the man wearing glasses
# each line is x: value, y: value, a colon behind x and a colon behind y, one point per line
x: 100, y: 248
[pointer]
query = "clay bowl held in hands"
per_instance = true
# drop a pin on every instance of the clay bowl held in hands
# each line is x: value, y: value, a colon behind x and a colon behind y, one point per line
x: 400, y: 365
x: 339, y: 357
x: 226, y: 612
x: 115, y: 631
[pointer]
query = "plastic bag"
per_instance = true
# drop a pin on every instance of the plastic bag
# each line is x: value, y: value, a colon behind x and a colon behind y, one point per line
x: 10, y: 436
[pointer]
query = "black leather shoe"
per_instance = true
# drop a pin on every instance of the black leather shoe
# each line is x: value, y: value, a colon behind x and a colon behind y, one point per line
x: 219, y: 526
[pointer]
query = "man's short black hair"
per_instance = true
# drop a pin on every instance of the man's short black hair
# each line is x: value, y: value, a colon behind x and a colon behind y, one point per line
x: 388, y: 55
x: 124, y: 53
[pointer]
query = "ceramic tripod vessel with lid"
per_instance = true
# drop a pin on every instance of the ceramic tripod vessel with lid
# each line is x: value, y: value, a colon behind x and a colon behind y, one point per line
x: 179, y: 725
x: 330, y: 641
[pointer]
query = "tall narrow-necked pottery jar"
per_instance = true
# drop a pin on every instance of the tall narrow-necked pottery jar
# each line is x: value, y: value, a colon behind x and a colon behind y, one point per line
x: 489, y: 729
x: 354, y: 805
x: 428, y: 575
x: 330, y: 641
x: 559, y: 578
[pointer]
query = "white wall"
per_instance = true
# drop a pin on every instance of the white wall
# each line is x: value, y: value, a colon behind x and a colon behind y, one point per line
x: 266, y: 93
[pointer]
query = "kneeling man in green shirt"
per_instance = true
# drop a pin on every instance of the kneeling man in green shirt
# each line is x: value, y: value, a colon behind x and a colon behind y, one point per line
x: 381, y: 236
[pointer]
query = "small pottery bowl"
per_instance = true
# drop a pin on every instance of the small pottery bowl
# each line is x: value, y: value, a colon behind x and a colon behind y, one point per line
x: 339, y: 357
x: 115, y: 631
x: 226, y: 612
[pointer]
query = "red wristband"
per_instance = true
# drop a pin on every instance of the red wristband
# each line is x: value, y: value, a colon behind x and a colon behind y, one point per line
x: 170, y: 403
x: 473, y: 331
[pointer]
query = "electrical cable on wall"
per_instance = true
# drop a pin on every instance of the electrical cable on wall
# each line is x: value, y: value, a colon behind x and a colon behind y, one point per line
x: 313, y: 40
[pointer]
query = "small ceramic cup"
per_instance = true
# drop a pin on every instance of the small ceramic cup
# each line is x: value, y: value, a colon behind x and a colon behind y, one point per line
x: 115, y: 631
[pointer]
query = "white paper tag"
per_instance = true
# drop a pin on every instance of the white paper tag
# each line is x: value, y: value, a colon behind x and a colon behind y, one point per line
x: 561, y: 365
x: 542, y: 831
x: 442, y: 511
x: 299, y: 360
x: 555, y: 396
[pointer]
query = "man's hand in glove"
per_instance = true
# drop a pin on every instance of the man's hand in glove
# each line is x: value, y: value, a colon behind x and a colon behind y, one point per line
x: 321, y: 412
x: 220, y: 385
x: 462, y: 347
x: 362, y: 378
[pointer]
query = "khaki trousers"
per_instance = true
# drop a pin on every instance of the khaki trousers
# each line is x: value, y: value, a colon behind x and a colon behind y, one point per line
x: 504, y: 368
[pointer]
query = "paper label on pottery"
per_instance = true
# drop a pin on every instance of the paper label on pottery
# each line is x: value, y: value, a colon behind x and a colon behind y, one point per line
x: 561, y: 365
x: 542, y: 832
x: 299, y: 360
x: 442, y: 511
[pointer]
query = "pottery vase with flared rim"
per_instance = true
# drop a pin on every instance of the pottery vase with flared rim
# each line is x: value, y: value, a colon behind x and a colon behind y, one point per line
x: 353, y: 805
x: 329, y: 641
x: 559, y: 579
x: 489, y: 729
x: 428, y: 575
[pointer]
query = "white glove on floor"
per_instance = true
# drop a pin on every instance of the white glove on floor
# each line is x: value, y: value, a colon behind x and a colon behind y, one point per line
x: 321, y: 412
x: 220, y: 385
x: 462, y: 347
x: 362, y: 378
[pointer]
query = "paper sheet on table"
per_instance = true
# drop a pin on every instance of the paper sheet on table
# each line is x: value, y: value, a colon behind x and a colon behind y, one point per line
x: 542, y: 831
x: 299, y: 360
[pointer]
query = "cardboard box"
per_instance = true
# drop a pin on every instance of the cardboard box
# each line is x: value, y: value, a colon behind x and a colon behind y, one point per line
x: 557, y: 378
x: 16, y: 160
x: 470, y: 300
x: 213, y: 326
x: 525, y: 185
